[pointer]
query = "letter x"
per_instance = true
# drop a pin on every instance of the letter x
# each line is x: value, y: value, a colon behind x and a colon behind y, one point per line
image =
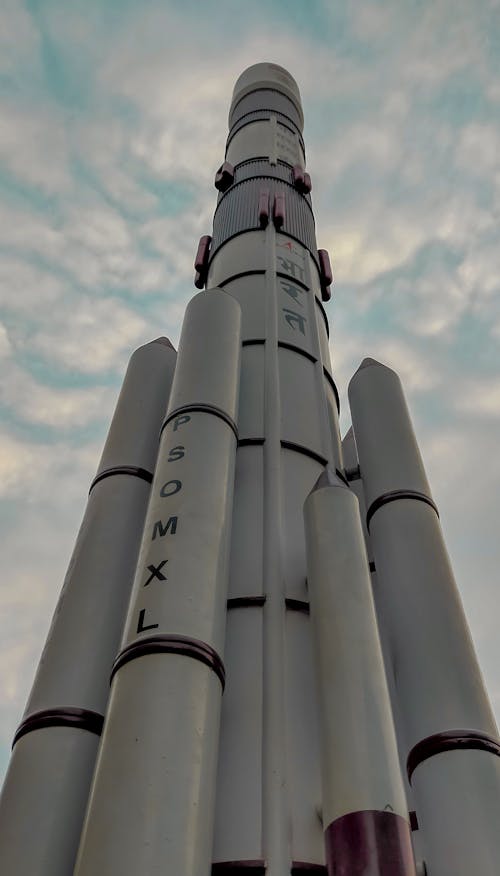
x: 156, y: 573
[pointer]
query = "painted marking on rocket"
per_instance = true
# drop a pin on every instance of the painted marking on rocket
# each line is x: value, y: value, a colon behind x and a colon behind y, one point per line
x: 141, y: 626
x: 181, y: 421
x: 170, y: 488
x: 291, y: 247
x: 291, y: 267
x: 176, y: 453
x: 292, y: 290
x: 295, y: 320
x: 161, y: 530
x: 156, y: 572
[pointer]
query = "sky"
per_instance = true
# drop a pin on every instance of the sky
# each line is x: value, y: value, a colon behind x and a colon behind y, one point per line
x: 113, y: 119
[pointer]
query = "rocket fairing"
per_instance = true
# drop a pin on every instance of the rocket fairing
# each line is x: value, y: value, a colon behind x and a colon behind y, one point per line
x: 447, y: 728
x: 152, y: 801
x: 244, y: 735
x: 47, y: 784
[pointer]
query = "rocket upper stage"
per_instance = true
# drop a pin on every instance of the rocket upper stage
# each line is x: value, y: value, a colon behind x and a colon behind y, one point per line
x: 266, y: 77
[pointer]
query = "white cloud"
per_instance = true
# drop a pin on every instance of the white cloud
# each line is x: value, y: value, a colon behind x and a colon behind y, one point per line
x: 58, y: 408
x: 90, y: 335
x: 33, y: 146
x: 19, y: 39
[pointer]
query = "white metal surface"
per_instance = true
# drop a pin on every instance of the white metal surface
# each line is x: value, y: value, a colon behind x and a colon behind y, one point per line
x: 360, y: 765
x: 437, y: 681
x: 152, y: 799
x: 47, y: 783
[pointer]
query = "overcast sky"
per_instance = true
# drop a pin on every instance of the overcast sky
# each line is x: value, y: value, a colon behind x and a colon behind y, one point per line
x: 113, y: 118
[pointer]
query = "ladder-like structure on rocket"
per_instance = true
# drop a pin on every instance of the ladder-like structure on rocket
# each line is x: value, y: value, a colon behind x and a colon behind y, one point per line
x: 285, y: 699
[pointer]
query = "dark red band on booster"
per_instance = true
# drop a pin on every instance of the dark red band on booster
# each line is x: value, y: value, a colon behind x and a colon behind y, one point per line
x: 302, y: 868
x: 369, y: 842
x: 200, y: 408
x: 239, y: 868
x: 172, y: 644
x: 65, y: 716
x: 297, y: 605
x: 449, y: 741
x: 394, y: 496
x: 246, y: 601
x: 133, y: 470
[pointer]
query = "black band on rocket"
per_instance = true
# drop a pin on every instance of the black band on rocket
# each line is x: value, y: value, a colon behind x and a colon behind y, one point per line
x: 122, y: 470
x: 203, y: 408
x: 393, y: 496
x: 245, y: 602
x: 171, y: 644
x: 331, y: 381
x: 324, y: 315
x: 449, y: 741
x: 283, y: 345
x: 302, y: 868
x: 81, y: 719
x: 297, y: 605
x: 299, y: 448
x: 239, y: 868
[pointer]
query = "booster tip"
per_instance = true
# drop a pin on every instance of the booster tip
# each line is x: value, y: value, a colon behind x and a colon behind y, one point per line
x: 329, y: 478
x: 165, y: 341
x: 366, y: 363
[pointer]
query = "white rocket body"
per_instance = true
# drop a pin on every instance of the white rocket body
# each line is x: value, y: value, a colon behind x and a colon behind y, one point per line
x: 446, y: 730
x: 47, y: 784
x: 244, y: 736
x: 152, y: 800
x: 363, y: 794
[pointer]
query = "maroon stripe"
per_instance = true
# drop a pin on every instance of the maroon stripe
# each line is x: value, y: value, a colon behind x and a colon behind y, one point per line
x: 172, y: 644
x: 449, y: 741
x: 394, y: 496
x: 64, y: 716
x: 302, y: 868
x: 200, y: 408
x: 369, y: 843
x: 245, y: 601
x: 133, y: 470
x: 235, y: 868
x: 297, y: 605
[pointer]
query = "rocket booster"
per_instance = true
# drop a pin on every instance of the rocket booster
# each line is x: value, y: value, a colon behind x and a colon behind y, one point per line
x: 365, y: 813
x: 152, y: 799
x: 47, y: 784
x: 447, y: 728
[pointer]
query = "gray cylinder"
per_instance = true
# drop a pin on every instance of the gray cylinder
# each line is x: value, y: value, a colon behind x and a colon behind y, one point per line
x: 447, y: 726
x: 47, y: 784
x: 152, y: 800
x: 365, y: 815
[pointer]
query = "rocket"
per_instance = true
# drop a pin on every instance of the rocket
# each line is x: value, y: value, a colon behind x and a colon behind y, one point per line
x: 290, y: 688
x: 151, y: 804
x: 447, y: 730
x: 47, y: 783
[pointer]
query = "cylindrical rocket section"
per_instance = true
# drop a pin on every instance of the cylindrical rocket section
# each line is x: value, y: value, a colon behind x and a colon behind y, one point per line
x: 152, y: 800
x: 447, y: 725
x: 47, y: 784
x: 263, y: 252
x: 365, y: 816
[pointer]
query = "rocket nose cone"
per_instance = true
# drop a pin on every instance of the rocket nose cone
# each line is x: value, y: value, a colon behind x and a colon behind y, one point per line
x: 367, y: 362
x: 267, y: 75
x: 164, y: 341
x: 328, y: 478
x: 371, y: 363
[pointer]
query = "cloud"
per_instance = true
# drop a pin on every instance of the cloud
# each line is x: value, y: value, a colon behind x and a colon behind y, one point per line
x: 33, y: 146
x: 114, y: 121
